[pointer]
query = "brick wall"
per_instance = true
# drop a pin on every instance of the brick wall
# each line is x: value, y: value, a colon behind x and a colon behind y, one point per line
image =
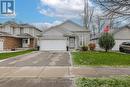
x: 12, y: 42
x: 33, y: 43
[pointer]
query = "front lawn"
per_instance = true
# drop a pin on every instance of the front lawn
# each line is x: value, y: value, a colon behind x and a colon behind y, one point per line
x: 103, y: 82
x: 101, y: 58
x: 13, y: 54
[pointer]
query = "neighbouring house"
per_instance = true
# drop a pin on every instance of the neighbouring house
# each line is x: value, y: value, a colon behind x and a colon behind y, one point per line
x: 14, y: 35
x: 66, y: 35
x: 120, y: 35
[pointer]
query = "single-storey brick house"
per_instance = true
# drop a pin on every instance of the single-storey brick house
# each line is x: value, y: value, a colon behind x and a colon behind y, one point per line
x: 13, y: 35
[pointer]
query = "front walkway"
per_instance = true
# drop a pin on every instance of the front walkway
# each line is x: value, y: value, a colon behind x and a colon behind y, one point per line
x: 61, y: 72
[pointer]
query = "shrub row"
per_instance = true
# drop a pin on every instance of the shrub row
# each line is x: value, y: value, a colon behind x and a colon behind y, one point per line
x: 90, y: 46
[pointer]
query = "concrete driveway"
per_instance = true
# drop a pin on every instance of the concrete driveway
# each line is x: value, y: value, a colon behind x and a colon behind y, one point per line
x: 39, y: 59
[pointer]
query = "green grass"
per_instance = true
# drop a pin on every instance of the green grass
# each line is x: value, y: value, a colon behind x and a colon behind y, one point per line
x: 13, y: 54
x: 103, y: 82
x: 101, y: 58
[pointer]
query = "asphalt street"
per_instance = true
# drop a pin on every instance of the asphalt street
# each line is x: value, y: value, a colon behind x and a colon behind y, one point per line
x: 36, y: 82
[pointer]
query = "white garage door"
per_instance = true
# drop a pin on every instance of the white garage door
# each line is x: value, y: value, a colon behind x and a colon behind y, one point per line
x: 118, y: 42
x: 46, y: 45
x: 1, y: 45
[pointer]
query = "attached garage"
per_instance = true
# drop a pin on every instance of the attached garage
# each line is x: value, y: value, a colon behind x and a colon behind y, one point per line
x: 1, y: 45
x: 48, y: 45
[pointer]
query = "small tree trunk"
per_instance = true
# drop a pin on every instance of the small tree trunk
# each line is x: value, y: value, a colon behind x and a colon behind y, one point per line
x: 106, y: 50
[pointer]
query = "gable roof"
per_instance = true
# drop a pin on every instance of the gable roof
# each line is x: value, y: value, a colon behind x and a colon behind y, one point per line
x: 69, y: 21
x: 4, y: 34
x: 11, y: 23
x: 118, y: 30
x: 29, y: 26
x: 67, y: 27
x: 15, y: 24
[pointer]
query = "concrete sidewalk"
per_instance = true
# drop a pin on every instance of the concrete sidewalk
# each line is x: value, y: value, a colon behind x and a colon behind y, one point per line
x: 61, y: 72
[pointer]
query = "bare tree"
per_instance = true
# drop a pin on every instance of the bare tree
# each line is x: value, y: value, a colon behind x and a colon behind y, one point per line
x: 87, y: 15
x: 120, y: 7
x: 115, y: 9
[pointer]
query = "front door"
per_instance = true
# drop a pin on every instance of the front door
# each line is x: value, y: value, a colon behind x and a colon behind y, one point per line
x: 25, y: 42
x: 72, y: 42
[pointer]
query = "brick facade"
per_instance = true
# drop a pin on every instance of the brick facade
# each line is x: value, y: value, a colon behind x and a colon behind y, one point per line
x: 11, y: 42
x: 32, y: 43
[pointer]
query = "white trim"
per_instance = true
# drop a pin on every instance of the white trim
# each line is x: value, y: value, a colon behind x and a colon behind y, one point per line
x: 28, y: 41
x: 82, y: 40
x: 76, y: 43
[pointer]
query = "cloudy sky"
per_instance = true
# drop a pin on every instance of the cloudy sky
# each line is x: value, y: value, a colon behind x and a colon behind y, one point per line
x: 47, y: 11
x: 61, y: 8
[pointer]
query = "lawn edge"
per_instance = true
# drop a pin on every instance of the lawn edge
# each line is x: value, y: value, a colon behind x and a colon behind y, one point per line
x: 18, y: 56
x: 98, y: 66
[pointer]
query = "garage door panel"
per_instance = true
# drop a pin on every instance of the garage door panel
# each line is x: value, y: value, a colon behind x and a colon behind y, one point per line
x: 52, y: 45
